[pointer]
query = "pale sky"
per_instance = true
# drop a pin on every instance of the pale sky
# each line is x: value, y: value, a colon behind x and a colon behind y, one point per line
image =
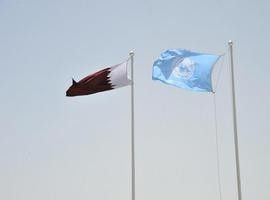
x: 57, y: 148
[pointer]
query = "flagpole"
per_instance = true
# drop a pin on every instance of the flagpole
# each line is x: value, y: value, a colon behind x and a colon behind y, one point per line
x: 131, y: 54
x: 239, y: 192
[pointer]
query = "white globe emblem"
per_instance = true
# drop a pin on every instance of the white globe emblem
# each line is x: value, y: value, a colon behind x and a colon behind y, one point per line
x: 184, y: 68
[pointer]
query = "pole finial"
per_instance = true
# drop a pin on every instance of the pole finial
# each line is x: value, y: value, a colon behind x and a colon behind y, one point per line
x: 230, y: 42
x: 131, y: 53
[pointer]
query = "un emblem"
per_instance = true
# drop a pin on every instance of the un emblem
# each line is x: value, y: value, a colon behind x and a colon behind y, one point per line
x: 184, y: 68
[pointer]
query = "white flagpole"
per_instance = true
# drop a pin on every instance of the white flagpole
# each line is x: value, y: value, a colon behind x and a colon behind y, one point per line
x: 230, y: 43
x: 131, y: 54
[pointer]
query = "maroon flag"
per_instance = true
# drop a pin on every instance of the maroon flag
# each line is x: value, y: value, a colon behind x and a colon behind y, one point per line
x: 105, y: 79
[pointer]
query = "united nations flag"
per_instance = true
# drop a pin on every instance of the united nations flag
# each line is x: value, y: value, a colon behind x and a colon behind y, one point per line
x: 185, y: 69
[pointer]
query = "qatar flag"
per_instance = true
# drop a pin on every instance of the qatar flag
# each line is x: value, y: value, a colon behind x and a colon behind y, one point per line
x: 105, y: 79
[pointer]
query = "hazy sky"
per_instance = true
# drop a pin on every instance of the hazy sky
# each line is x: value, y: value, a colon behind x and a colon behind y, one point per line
x: 58, y: 148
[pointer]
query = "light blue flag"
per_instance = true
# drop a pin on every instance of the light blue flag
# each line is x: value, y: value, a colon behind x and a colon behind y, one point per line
x: 185, y: 69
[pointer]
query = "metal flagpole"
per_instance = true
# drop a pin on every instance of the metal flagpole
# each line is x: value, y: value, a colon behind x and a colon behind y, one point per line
x: 131, y: 54
x: 230, y: 43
